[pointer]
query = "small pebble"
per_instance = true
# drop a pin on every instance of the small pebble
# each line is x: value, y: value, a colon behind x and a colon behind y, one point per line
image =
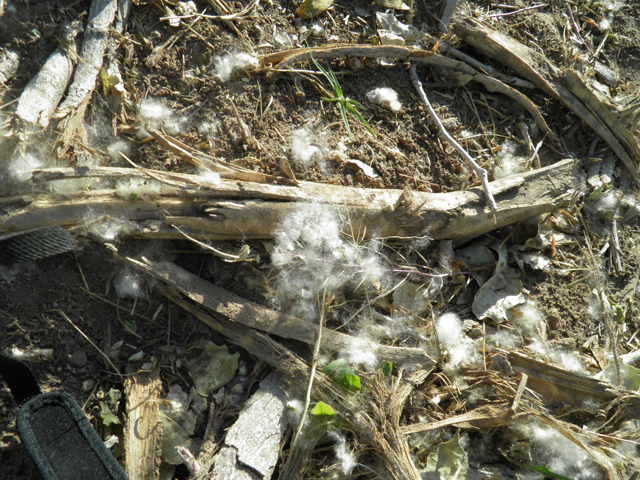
x: 87, y: 385
x: 78, y: 359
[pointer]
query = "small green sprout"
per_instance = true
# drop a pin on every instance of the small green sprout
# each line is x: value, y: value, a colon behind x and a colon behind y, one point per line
x: 344, y: 103
x: 322, y: 410
x: 340, y: 372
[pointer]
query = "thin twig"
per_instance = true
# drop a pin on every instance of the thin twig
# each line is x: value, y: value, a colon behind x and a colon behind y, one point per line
x: 314, y: 364
x: 480, y: 172
x: 63, y: 315
x: 615, y: 241
x: 517, y: 11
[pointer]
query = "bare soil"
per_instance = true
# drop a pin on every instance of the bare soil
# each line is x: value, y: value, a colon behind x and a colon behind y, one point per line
x: 406, y: 152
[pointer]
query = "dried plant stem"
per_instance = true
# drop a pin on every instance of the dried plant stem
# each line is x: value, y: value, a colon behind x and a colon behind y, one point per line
x: 480, y: 172
x: 615, y: 241
x: 314, y: 364
x: 63, y: 315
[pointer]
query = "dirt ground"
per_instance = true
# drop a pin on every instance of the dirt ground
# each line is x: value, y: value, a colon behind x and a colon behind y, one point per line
x: 406, y: 152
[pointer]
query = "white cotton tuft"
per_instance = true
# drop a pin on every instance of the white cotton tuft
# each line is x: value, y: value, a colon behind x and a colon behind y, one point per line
x: 312, y: 256
x: 449, y: 328
x: 560, y: 455
x: 344, y: 456
x: 229, y: 63
x: 510, y: 163
x: 360, y: 352
x: 135, y: 188
x: 307, y: 146
x: 21, y: 166
x: 460, y: 350
x: 154, y: 112
x: 528, y: 319
x: 116, y: 148
x: 294, y: 410
x: 385, y: 96
x: 209, y: 179
x: 128, y: 284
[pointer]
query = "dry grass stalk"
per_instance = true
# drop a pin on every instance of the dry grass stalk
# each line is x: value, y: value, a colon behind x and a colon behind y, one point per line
x: 253, y: 315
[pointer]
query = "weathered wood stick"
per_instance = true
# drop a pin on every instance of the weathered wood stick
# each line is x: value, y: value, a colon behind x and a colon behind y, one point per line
x: 245, y: 210
x: 253, y: 315
x: 143, y: 430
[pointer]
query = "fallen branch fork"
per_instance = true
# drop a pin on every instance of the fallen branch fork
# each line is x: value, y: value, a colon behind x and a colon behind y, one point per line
x: 246, y: 210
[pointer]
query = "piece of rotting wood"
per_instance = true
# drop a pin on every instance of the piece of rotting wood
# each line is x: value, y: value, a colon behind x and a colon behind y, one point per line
x: 245, y: 210
x: 143, y: 430
x: 558, y: 386
x: 42, y: 94
x: 94, y: 44
x: 252, y: 445
x: 562, y: 84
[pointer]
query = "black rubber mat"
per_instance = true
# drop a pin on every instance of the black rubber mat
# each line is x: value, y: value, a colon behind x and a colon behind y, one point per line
x: 35, y: 244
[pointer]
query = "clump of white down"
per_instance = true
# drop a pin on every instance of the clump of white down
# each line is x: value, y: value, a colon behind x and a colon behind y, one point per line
x: 229, y: 63
x: 313, y: 256
x: 385, y: 96
x: 560, y: 455
x: 128, y: 284
x: 461, y: 351
x: 20, y: 166
x: 510, y: 163
x: 343, y: 454
x: 308, y: 146
x: 155, y: 114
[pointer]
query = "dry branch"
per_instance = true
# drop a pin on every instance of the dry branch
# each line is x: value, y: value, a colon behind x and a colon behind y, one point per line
x: 479, y: 171
x: 43, y: 93
x: 253, y: 315
x: 243, y: 210
x: 101, y: 16
x: 562, y: 84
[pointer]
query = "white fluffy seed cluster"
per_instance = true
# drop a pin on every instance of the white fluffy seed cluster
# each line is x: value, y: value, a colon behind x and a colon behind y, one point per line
x: 385, y: 96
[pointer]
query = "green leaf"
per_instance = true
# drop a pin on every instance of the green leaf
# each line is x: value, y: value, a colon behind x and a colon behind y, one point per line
x: 351, y: 383
x: 107, y: 416
x: 322, y: 410
x: 133, y: 197
x: 547, y: 472
x: 340, y: 372
x: 387, y: 368
x: 618, y: 313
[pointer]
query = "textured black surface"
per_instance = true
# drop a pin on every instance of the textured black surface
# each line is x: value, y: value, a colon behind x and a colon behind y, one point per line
x: 19, y: 378
x: 35, y: 244
x: 61, y: 441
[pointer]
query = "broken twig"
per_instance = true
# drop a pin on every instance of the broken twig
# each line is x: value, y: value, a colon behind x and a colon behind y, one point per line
x: 480, y: 172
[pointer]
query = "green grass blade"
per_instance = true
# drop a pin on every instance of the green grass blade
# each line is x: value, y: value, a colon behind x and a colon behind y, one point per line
x: 345, y: 119
x: 360, y: 118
